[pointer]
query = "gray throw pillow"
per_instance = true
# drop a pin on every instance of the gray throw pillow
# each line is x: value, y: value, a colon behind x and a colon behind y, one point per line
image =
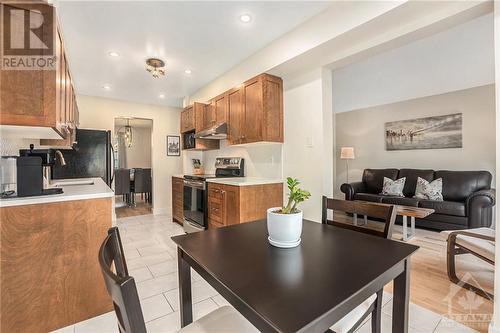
x: 393, y: 187
x: 429, y: 191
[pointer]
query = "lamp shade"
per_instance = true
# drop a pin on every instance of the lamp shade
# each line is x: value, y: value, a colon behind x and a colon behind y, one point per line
x: 347, y: 153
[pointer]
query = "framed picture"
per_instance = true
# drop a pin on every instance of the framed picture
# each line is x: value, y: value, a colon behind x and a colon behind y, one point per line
x: 173, y: 145
x: 436, y: 132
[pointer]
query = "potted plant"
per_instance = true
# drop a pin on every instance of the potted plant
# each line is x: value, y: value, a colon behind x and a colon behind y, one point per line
x: 284, y: 224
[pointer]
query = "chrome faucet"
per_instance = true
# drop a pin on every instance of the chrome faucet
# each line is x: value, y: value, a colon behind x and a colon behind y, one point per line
x: 62, y: 161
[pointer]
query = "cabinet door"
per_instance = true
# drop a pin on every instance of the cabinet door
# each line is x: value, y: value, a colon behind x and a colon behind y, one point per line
x: 177, y: 199
x: 187, y: 120
x: 199, y: 116
x: 253, y: 111
x: 231, y: 199
x: 22, y: 93
x: 209, y: 116
x: 221, y: 108
x: 235, y: 112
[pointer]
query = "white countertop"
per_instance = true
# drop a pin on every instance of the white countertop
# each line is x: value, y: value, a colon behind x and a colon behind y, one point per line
x: 73, y: 189
x: 245, y: 181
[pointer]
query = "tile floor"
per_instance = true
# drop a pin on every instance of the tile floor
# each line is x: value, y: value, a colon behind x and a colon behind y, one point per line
x: 151, y: 257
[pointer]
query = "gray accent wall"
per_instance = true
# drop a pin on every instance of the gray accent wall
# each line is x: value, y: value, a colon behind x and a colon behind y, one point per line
x: 364, y: 130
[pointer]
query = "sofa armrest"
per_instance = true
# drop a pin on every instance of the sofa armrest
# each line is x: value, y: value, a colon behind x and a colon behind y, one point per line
x: 352, y: 188
x: 478, y: 206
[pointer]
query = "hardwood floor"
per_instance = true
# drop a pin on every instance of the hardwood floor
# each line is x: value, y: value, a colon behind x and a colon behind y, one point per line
x: 430, y: 286
x: 141, y: 208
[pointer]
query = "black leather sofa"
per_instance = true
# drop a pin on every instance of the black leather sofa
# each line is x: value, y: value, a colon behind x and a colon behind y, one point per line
x: 468, y: 197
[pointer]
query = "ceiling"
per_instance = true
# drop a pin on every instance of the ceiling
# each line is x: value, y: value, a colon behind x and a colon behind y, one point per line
x: 206, y: 37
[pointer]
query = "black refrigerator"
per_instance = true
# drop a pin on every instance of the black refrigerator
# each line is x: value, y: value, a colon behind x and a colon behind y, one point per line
x: 91, y: 156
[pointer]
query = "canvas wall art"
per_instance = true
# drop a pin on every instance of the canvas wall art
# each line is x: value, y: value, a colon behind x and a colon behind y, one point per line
x: 425, y: 133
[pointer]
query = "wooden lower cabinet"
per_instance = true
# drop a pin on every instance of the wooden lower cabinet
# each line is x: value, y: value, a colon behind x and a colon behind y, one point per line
x: 50, y: 274
x: 177, y: 200
x: 229, y: 204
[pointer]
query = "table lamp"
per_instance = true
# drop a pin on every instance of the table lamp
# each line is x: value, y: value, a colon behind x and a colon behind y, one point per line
x: 347, y: 153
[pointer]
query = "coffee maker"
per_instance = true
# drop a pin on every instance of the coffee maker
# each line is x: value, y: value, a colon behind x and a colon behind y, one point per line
x: 34, y: 172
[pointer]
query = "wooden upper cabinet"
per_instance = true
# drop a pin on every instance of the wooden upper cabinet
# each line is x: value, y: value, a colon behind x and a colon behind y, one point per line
x: 262, y: 109
x: 235, y: 114
x: 209, y: 119
x: 253, y: 111
x: 221, y: 107
x: 42, y: 98
x: 199, y: 116
x: 256, y: 111
x: 187, y: 119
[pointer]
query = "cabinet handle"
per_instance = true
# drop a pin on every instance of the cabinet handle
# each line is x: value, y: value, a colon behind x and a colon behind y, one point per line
x: 215, y: 209
x: 223, y: 192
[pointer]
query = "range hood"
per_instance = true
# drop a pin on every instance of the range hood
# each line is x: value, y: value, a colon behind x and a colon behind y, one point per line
x: 217, y: 132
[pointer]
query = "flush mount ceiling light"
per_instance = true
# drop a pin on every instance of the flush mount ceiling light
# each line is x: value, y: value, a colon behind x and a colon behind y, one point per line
x: 245, y: 18
x: 162, y: 95
x: 187, y: 71
x: 156, y: 67
x: 113, y: 54
x: 106, y: 87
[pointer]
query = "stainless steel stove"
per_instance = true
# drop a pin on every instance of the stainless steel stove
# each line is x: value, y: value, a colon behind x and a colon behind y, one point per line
x: 196, y: 195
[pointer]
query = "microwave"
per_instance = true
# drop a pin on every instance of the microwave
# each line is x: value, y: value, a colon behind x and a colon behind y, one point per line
x: 188, y: 140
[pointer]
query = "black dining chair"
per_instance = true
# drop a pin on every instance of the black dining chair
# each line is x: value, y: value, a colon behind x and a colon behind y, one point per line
x: 122, y: 184
x: 373, y: 305
x: 121, y: 287
x: 123, y: 291
x: 142, y: 183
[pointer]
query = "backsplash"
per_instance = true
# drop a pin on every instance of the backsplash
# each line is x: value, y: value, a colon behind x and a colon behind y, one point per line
x: 11, y: 146
x: 261, y: 159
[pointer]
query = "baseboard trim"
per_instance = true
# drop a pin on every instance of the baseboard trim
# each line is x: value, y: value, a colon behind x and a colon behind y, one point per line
x: 160, y: 211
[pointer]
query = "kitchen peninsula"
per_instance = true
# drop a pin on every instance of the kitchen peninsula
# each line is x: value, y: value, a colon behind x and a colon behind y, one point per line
x: 50, y: 276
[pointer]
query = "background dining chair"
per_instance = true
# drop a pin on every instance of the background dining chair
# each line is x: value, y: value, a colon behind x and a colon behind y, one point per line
x: 122, y: 184
x: 123, y: 291
x: 142, y: 183
x: 386, y: 213
x: 373, y: 305
x: 479, y: 242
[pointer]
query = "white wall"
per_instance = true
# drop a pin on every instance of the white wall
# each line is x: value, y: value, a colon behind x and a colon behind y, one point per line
x: 308, y: 147
x: 139, y: 154
x: 364, y: 130
x: 99, y: 113
x: 455, y: 59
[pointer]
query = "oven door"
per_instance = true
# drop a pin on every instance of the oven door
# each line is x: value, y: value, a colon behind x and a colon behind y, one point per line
x: 195, y: 205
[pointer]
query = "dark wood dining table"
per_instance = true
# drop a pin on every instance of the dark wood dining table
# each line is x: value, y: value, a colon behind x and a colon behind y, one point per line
x: 303, y: 289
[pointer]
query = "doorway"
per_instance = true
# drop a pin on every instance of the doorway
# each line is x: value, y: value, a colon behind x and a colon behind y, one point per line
x: 132, y: 141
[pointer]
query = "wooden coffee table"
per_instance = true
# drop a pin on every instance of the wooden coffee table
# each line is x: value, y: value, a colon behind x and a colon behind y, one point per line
x: 405, y: 212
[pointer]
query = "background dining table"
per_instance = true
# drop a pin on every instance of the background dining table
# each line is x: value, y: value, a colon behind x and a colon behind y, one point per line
x: 303, y: 289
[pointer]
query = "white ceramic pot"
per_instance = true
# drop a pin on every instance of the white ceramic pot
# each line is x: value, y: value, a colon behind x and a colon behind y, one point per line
x: 284, y: 229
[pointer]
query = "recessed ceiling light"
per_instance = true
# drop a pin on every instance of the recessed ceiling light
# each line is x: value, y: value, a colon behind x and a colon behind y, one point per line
x: 162, y: 95
x: 113, y: 54
x: 106, y: 87
x: 187, y: 71
x: 245, y: 18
